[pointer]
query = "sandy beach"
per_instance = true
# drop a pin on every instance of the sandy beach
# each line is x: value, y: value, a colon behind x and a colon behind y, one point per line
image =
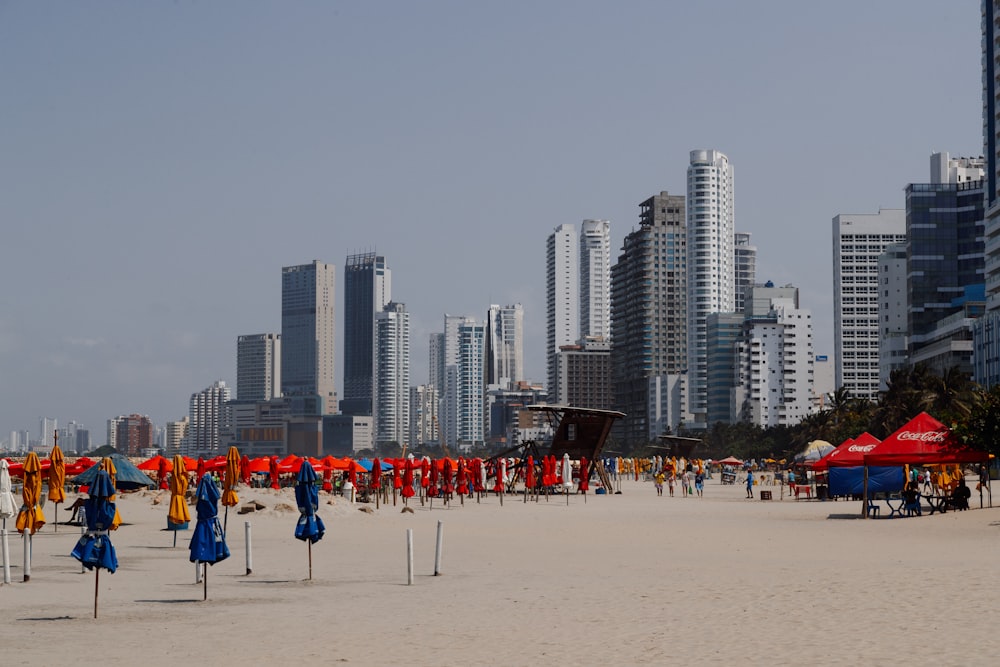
x: 619, y: 579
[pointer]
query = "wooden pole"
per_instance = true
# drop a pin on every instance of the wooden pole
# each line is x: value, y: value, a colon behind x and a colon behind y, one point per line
x: 97, y: 580
x: 864, y: 495
x: 310, y: 543
x: 204, y: 581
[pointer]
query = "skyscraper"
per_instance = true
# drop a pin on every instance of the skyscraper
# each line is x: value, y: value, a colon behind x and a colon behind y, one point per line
x: 562, y: 291
x: 595, y: 279
x: 367, y: 289
x: 648, y: 306
x: 710, y: 265
x: 746, y: 268
x: 469, y: 383
x: 504, y: 345
x: 258, y: 367
x: 207, y: 418
x: 135, y: 435
x: 858, y: 241
x: 392, y: 375
x: 307, y: 332
x: 451, y: 374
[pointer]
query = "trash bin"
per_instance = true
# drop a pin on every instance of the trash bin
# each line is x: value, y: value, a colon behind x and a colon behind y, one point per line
x: 821, y: 491
x: 348, y: 490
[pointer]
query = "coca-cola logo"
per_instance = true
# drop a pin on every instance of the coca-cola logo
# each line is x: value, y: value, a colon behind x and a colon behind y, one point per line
x: 864, y: 449
x: 929, y: 436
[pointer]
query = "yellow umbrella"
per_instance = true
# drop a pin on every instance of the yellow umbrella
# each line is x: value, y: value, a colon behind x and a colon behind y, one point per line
x: 30, y: 517
x: 108, y: 466
x: 229, y: 497
x: 178, y: 513
x: 57, y: 479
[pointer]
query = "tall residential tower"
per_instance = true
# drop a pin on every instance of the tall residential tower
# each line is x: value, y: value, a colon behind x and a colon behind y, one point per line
x: 307, y: 332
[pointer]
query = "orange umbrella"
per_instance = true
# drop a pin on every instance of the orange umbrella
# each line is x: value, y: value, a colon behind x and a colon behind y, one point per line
x: 30, y: 518
x: 178, y: 514
x: 229, y: 497
x: 57, y: 480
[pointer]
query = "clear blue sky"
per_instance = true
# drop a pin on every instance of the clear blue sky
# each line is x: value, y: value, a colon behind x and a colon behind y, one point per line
x: 161, y: 161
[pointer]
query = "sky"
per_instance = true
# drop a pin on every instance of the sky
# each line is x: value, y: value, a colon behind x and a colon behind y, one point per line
x: 161, y: 161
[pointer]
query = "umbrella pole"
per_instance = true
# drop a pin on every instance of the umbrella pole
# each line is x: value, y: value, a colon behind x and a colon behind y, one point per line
x: 204, y: 581
x: 225, y: 520
x: 27, y: 555
x: 309, y: 542
x: 97, y: 580
x: 175, y: 537
x: 55, y: 524
x: 6, y: 553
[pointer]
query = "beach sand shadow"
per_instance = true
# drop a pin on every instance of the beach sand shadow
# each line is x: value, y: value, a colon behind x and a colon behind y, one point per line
x: 172, y: 601
x: 48, y: 618
x: 844, y: 516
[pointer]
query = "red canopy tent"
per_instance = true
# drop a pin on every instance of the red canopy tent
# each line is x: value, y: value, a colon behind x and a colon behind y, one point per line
x: 729, y: 461
x: 849, y: 453
x: 923, y: 441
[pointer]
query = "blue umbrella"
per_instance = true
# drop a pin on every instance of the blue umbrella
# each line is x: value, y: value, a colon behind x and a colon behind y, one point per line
x: 94, y: 549
x: 310, y: 527
x: 208, y: 542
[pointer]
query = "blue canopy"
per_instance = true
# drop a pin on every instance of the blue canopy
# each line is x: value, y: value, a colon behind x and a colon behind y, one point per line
x: 94, y: 549
x: 127, y: 476
x: 208, y: 542
x: 366, y: 465
x: 309, y: 527
x: 851, y: 481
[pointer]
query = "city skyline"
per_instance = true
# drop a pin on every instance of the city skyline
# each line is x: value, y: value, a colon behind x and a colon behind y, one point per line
x: 151, y: 193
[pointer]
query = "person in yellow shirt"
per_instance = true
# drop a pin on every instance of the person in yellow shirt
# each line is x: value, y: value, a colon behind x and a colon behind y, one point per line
x: 658, y: 480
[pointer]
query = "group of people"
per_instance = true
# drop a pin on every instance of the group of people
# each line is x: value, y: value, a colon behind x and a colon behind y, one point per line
x: 692, y: 482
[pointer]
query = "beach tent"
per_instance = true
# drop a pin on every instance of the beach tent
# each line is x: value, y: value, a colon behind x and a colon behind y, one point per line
x: 923, y: 441
x: 729, y: 461
x: 814, y: 451
x: 127, y: 475
x: 846, y: 465
x: 849, y: 453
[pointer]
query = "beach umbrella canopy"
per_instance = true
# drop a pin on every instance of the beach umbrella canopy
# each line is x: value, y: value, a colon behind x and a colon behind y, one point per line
x: 31, y: 518
x: 178, y: 512
x: 229, y: 496
x: 57, y: 476
x: 584, y: 477
x: 567, y: 472
x: 432, y: 483
x: 529, y: 473
x: 397, y: 475
x: 8, y: 506
x: 376, y: 476
x: 208, y: 542
x: 94, y: 548
x: 408, y: 479
x: 154, y: 463
x: 425, y: 472
x: 245, y: 471
x: 310, y: 526
x: 273, y: 470
x: 161, y: 473
x: 124, y: 474
x: 200, y: 469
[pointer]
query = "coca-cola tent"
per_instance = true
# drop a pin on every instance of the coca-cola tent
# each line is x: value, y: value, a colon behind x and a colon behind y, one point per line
x: 923, y: 441
x: 848, y: 475
x: 849, y: 453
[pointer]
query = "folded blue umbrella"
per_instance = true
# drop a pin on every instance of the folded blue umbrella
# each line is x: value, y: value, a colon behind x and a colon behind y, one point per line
x: 310, y: 526
x: 94, y: 548
x: 208, y: 542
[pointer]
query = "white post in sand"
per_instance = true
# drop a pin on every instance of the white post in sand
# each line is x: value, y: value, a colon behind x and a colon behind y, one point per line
x: 26, y: 538
x: 437, y: 550
x: 83, y: 531
x: 246, y: 527
x: 6, y: 557
x: 409, y: 556
x: 197, y: 572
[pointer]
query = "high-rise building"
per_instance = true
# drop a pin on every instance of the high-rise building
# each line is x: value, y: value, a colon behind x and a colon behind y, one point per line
x: 392, y: 375
x: 435, y: 362
x: 176, y: 434
x: 423, y: 415
x: 858, y: 241
x: 504, y: 345
x: 892, y: 312
x: 112, y: 431
x: 470, y: 388
x: 450, y: 360
x: 648, y: 316
x: 47, y: 429
x: 585, y: 375
x: 367, y: 290
x: 595, y: 280
x: 723, y: 333
x: 986, y: 330
x: 307, y: 332
x: 207, y: 419
x: 135, y: 435
x: 746, y: 268
x: 945, y: 279
x: 562, y: 290
x: 258, y: 367
x: 711, y: 264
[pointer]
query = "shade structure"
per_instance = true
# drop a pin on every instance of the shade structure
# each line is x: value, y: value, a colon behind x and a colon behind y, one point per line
x: 728, y: 461
x: 447, y: 487
x: 162, y: 472
x: 178, y: 513
x: 229, y: 495
x: 376, y: 475
x: 567, y: 472
x: 94, y: 549
x: 309, y: 527
x: 57, y: 476
x: 8, y: 506
x: 584, y: 474
x: 245, y: 471
x: 923, y: 441
x: 462, y: 477
x: 31, y: 518
x: 408, y: 479
x: 208, y: 542
x: 529, y: 473
x: 200, y: 469
x: 125, y: 475
x: 273, y: 472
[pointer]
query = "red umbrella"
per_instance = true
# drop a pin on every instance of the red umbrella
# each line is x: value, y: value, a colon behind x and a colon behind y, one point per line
x: 529, y: 473
x: 352, y: 473
x: 461, y: 478
x: 397, y: 474
x: 274, y: 473
x: 432, y: 485
x: 425, y: 472
x: 477, y: 475
x: 200, y: 469
x: 328, y: 479
x: 162, y: 473
x: 245, y: 471
x: 584, y: 482
x: 408, y: 479
x: 376, y: 474
x: 500, y: 468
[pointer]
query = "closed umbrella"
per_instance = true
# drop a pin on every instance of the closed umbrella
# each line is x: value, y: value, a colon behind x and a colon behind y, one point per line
x: 108, y: 466
x: 273, y: 470
x: 8, y: 508
x: 462, y: 480
x: 94, y: 549
x: 161, y: 473
x: 245, y: 471
x: 200, y: 469
x: 397, y: 478
x: 310, y: 527
x: 208, y: 541
x: 376, y: 479
x: 31, y: 518
x: 584, y: 477
x: 229, y: 496
x: 432, y: 482
x: 57, y: 481
x: 446, y: 484
x: 529, y: 477
x: 178, y: 515
x: 327, y: 476
x: 407, y: 481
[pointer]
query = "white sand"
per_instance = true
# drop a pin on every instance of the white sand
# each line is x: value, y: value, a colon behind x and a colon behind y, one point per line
x: 621, y: 579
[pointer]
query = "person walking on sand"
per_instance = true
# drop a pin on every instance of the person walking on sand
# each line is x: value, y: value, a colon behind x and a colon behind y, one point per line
x: 699, y: 482
x: 671, y: 480
x: 658, y: 479
x: 749, y: 483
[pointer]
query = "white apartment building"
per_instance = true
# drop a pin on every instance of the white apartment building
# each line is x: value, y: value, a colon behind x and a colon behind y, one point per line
x: 858, y: 241
x: 711, y: 275
x: 892, y: 312
x: 207, y: 416
x: 562, y: 290
x: 258, y: 367
x: 595, y: 280
x: 391, y: 394
x: 504, y: 345
x: 176, y: 433
x: 423, y: 415
x: 471, y: 419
